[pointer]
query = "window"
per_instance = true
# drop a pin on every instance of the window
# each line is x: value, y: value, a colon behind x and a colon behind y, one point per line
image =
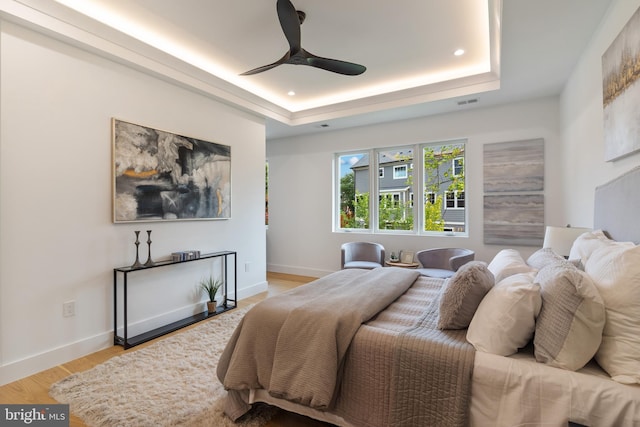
x: 444, y: 184
x: 400, y: 172
x: 429, y: 197
x: 458, y: 166
x: 455, y: 199
x: 392, y: 207
x: 353, y: 184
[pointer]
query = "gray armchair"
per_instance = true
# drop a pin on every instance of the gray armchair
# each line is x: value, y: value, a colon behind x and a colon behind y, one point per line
x: 443, y: 262
x: 362, y: 255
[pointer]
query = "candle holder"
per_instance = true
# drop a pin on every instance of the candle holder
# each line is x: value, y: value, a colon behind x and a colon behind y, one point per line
x: 137, y: 264
x: 149, y: 262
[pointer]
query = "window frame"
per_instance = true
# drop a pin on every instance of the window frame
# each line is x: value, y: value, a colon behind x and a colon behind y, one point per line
x: 456, y: 199
x: 397, y: 168
x: 454, y: 167
x: 413, y: 171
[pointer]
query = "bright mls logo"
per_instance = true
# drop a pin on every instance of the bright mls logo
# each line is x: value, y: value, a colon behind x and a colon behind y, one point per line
x: 34, y: 415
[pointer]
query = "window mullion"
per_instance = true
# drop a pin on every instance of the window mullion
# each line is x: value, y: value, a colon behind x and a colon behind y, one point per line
x: 418, y: 189
x: 373, y: 188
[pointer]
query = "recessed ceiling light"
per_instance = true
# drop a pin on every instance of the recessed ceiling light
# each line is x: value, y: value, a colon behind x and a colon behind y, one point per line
x: 459, y: 52
x: 291, y: 93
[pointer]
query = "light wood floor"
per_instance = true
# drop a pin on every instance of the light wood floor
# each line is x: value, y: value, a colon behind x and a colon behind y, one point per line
x: 35, y: 389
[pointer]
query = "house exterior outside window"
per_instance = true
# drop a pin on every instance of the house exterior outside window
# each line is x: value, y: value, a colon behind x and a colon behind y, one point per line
x: 440, y: 178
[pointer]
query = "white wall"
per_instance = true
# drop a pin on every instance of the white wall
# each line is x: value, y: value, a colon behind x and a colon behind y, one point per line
x: 581, y: 110
x: 300, y: 238
x: 57, y: 239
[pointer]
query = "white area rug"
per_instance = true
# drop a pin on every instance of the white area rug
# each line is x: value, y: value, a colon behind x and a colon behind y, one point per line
x: 171, y: 382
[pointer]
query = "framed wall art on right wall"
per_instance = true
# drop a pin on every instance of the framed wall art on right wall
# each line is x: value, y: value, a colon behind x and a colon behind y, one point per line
x: 621, y: 92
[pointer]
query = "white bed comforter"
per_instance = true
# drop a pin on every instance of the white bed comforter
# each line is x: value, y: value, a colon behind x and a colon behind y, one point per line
x: 518, y: 391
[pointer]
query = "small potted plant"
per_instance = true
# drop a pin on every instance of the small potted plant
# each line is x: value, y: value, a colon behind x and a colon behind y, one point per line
x: 211, y: 286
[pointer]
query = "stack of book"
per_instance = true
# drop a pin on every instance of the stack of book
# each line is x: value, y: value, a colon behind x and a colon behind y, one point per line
x: 185, y: 255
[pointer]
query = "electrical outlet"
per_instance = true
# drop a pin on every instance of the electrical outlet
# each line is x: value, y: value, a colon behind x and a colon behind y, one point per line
x: 247, y: 267
x: 69, y: 309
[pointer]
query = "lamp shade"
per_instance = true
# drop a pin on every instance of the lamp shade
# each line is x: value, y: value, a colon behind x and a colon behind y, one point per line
x: 560, y: 239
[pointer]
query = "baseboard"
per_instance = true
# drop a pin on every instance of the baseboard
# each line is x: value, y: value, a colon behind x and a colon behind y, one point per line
x: 253, y: 290
x: 16, y: 370
x: 298, y: 271
x: 31, y: 365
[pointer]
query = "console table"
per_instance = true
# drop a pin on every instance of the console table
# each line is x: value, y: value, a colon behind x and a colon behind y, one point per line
x: 124, y: 272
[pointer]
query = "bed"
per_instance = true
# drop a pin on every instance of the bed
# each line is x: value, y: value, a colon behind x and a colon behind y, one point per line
x: 420, y: 351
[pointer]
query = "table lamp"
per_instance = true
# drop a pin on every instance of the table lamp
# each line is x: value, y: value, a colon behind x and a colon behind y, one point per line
x: 560, y: 239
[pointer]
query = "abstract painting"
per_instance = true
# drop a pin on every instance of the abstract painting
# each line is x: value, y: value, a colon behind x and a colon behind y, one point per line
x: 161, y: 176
x: 514, y: 166
x: 621, y: 92
x: 514, y: 220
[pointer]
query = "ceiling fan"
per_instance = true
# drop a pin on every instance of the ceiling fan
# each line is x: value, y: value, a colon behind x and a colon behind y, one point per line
x: 290, y: 21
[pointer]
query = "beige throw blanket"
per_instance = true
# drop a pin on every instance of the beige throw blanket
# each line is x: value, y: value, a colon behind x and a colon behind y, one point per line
x: 293, y: 344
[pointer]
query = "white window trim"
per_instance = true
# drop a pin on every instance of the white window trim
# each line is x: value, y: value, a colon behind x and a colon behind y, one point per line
x: 455, y: 199
x: 418, y: 185
x: 397, y: 168
x: 453, y: 165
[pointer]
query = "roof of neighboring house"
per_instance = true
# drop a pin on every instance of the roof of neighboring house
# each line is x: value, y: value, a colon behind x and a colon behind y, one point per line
x: 384, y: 158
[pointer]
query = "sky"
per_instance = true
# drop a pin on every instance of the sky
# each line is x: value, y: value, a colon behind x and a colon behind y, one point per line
x: 347, y: 161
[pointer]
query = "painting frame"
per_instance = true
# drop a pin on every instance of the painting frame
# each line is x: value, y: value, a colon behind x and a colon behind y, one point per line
x: 514, y: 219
x: 406, y: 257
x: 164, y: 176
x: 621, y: 92
x: 514, y: 166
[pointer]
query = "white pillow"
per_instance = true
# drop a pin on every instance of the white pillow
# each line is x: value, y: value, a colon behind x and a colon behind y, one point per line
x: 585, y: 244
x: 506, y: 263
x: 506, y: 317
x: 615, y: 269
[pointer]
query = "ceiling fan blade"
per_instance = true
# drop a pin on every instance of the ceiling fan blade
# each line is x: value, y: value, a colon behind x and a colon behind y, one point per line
x: 290, y: 23
x: 335, y: 65
x: 268, y: 67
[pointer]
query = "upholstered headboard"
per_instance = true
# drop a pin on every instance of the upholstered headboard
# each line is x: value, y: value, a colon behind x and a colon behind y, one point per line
x: 617, y: 207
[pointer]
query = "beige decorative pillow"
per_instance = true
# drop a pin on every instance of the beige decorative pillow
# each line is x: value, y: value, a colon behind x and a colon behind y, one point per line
x: 462, y: 294
x: 544, y: 257
x: 569, y: 327
x: 506, y: 317
x: 615, y: 269
x: 506, y: 263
